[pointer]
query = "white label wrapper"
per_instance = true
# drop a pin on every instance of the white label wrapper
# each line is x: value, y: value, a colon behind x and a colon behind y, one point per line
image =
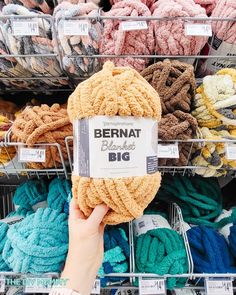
x: 198, y: 30
x: 12, y: 220
x: 148, y: 222
x: 25, y: 28
x: 219, y: 287
x: 32, y: 155
x: 110, y: 147
x: 230, y: 150
x: 2, y: 284
x: 76, y: 27
x: 133, y: 25
x: 152, y: 287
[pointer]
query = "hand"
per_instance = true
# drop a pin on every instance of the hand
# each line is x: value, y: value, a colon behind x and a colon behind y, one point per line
x: 86, y: 248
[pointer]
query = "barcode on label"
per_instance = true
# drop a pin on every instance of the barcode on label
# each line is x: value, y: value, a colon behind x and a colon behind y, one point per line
x: 25, y: 28
x: 141, y: 224
x: 133, y: 25
x: 230, y: 150
x: 149, y: 287
x: 168, y: 151
x: 216, y: 287
x: 198, y: 30
x: 96, y: 287
x: 2, y: 284
x: 31, y: 155
x: 76, y: 27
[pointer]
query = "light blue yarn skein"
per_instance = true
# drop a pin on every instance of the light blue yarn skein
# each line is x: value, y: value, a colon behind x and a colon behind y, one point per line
x: 3, y: 237
x: 39, y: 243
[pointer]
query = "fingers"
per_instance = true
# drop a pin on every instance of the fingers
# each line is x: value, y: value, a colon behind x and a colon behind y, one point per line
x: 98, y: 214
x: 75, y: 212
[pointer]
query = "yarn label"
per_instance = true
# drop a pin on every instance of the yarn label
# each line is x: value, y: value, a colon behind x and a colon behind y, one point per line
x: 219, y: 48
x: 32, y: 155
x: 217, y: 286
x: 96, y: 287
x: 198, y: 29
x: 230, y: 150
x: 133, y: 25
x: 25, y: 28
x: 12, y: 220
x: 154, y: 286
x: 149, y: 222
x: 76, y: 27
x: 43, y: 204
x: 2, y: 284
x: 110, y: 147
x: 170, y: 151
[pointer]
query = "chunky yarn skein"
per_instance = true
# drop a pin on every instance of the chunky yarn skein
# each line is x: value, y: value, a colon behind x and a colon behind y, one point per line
x: 45, y: 6
x: 149, y: 3
x: 115, y: 91
x: 209, y: 5
x: 44, y: 124
x: 210, y: 251
x: 3, y: 237
x: 38, y: 244
x: 79, y: 45
x: 170, y: 34
x: 116, y: 41
x: 162, y: 251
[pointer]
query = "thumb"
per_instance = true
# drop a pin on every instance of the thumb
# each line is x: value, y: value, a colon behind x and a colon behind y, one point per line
x: 98, y: 214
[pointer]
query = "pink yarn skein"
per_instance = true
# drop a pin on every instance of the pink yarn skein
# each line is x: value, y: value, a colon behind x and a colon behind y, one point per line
x: 149, y: 3
x: 116, y: 41
x: 170, y: 34
x: 209, y: 5
x: 225, y: 30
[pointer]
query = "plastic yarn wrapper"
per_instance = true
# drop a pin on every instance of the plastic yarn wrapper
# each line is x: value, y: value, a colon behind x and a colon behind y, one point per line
x: 170, y: 35
x: 3, y: 237
x: 79, y: 45
x: 59, y: 194
x: 115, y: 91
x: 45, y: 6
x: 38, y: 244
x: 44, y: 124
x: 178, y: 125
x: 199, y: 198
x: 30, y: 193
x: 210, y: 251
x: 209, y: 5
x: 116, y: 254
x: 148, y: 3
x: 215, y: 101
x: 39, y: 44
x: 161, y: 251
x: 209, y: 156
x: 119, y: 42
x: 175, y: 83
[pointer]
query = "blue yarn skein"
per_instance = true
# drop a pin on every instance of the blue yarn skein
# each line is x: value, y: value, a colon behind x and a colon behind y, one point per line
x: 210, y: 251
x: 232, y: 239
x: 59, y: 191
x: 116, y: 254
x: 39, y: 243
x: 3, y: 237
x: 30, y: 193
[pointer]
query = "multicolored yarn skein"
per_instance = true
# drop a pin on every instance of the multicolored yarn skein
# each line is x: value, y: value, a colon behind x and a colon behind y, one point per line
x: 38, y: 244
x: 199, y: 198
x: 115, y: 91
x: 41, y: 44
x: 44, y: 124
x: 45, y: 6
x: 170, y: 37
x: 210, y: 251
x: 116, y: 255
x: 79, y: 45
x: 119, y: 42
x: 162, y: 251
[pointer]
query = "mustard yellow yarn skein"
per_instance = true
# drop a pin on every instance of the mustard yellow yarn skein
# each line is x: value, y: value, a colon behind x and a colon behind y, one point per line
x: 115, y: 91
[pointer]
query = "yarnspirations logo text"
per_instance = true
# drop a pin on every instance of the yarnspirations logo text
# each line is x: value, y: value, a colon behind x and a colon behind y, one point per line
x: 117, y: 152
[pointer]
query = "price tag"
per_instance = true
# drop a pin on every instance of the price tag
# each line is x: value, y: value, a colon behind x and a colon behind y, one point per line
x: 198, y: 30
x: 149, y: 287
x: 189, y: 292
x: 76, y: 27
x: 230, y: 150
x: 133, y: 25
x: 2, y: 284
x: 216, y: 287
x: 25, y: 28
x: 38, y: 285
x: 168, y: 151
x: 31, y: 155
x: 96, y: 287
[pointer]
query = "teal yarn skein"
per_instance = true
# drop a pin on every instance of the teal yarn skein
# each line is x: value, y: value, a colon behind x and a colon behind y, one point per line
x: 30, y: 193
x: 161, y: 251
x: 199, y: 198
x: 59, y: 194
x: 38, y: 244
x: 3, y: 237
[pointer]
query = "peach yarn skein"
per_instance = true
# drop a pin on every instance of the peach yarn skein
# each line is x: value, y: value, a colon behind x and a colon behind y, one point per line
x: 115, y: 91
x: 116, y: 41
